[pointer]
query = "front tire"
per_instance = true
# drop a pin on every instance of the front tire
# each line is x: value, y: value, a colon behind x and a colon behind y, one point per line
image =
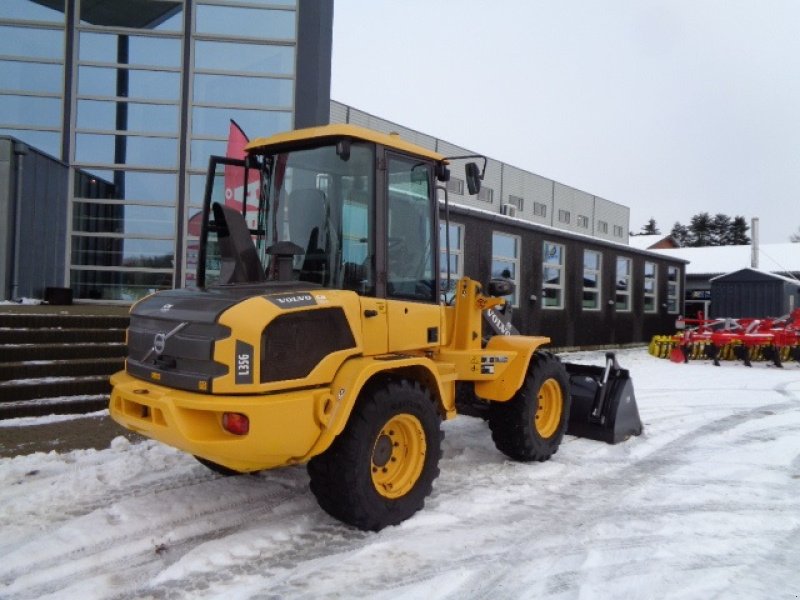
x: 381, y: 468
x: 531, y: 425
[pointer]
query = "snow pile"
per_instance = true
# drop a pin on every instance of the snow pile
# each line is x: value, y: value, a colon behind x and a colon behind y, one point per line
x: 705, y: 504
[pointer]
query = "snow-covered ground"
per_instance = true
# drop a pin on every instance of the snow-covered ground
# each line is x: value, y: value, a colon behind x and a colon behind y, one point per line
x: 706, y: 504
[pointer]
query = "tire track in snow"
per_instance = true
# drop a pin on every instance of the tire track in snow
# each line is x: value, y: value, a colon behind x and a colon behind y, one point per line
x: 115, y: 553
x: 616, y: 481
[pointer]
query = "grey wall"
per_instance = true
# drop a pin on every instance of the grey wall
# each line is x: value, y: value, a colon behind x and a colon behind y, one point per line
x: 6, y: 216
x: 34, y: 259
x: 313, y: 83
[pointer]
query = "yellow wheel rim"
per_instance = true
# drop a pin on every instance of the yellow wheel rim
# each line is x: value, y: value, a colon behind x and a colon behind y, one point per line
x: 548, y: 409
x: 398, y: 456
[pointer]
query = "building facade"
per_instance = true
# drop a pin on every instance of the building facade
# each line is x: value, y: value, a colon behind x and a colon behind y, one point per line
x: 510, y: 190
x: 131, y: 97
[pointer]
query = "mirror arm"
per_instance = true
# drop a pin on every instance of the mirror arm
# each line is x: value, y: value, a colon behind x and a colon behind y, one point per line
x: 465, y: 156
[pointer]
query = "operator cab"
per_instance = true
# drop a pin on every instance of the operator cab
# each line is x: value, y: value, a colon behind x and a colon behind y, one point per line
x: 338, y: 207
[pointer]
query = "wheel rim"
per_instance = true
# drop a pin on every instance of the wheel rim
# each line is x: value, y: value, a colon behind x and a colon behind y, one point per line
x: 548, y: 408
x: 398, y: 456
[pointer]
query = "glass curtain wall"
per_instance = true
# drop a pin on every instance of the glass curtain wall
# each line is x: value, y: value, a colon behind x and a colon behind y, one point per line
x: 243, y: 69
x: 128, y: 143
x: 32, y: 72
x: 126, y: 147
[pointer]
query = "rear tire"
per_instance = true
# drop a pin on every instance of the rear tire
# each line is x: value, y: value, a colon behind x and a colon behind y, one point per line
x: 381, y: 468
x: 531, y: 425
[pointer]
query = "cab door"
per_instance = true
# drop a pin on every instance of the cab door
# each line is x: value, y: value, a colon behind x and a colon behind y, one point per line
x: 410, y: 248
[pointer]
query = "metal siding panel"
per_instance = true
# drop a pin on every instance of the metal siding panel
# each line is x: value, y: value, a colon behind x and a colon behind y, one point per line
x: 6, y: 217
x: 338, y: 113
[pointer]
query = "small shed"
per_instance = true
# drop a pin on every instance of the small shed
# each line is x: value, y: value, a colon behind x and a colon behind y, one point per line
x: 753, y: 293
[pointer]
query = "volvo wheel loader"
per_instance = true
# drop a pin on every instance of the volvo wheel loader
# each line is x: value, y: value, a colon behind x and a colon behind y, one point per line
x: 320, y: 331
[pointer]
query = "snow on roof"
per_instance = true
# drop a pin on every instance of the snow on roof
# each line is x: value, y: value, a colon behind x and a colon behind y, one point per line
x: 715, y: 260
x: 643, y: 242
x: 762, y: 272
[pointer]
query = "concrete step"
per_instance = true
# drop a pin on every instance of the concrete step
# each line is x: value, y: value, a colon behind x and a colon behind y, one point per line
x: 37, y: 369
x: 11, y: 319
x: 58, y: 335
x: 16, y: 390
x: 48, y: 406
x: 27, y: 352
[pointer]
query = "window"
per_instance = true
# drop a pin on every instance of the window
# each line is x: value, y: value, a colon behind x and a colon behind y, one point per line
x: 539, y: 209
x: 563, y: 215
x: 486, y: 194
x: 505, y: 261
x: 553, y: 276
x: 673, y: 290
x: 455, y: 186
x: 455, y: 258
x: 650, y: 287
x: 583, y: 221
x: 592, y: 263
x: 618, y: 231
x: 623, y: 295
x: 517, y: 202
x: 409, y: 253
x: 602, y: 227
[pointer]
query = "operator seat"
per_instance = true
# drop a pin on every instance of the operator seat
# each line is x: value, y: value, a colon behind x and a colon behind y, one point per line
x: 308, y: 227
x: 240, y: 263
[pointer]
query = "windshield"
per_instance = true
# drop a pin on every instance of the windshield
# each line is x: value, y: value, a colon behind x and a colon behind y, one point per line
x: 313, y: 206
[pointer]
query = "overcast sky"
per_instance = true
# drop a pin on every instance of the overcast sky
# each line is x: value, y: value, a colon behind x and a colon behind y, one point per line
x: 668, y: 107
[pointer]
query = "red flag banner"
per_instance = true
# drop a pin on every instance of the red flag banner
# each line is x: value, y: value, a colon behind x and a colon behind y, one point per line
x: 234, y: 176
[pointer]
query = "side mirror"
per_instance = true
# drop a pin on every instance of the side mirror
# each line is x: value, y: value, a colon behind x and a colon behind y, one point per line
x: 500, y: 287
x: 442, y: 172
x: 473, y: 174
x: 343, y: 149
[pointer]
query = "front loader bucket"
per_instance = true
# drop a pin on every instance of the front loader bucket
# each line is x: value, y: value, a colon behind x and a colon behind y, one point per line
x: 603, y: 403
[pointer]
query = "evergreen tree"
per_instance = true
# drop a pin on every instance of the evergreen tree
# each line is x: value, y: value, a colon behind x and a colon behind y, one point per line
x: 650, y: 228
x: 738, y: 232
x: 700, y: 230
x: 795, y: 237
x: 721, y: 230
x: 680, y: 233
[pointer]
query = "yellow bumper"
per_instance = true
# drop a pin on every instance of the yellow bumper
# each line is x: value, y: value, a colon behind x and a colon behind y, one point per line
x: 283, y: 427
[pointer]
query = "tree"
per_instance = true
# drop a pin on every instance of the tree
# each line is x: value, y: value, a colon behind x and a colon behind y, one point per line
x: 721, y: 230
x: 680, y: 233
x: 650, y: 228
x: 701, y: 230
x: 739, y: 229
x: 795, y: 237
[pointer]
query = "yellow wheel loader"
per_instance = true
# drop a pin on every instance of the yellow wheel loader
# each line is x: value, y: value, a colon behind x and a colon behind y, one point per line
x: 320, y: 332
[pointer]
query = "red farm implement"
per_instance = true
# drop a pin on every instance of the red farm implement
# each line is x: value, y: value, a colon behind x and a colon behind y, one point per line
x: 770, y: 339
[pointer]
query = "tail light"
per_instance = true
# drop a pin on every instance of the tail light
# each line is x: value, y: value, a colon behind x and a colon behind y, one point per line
x: 235, y: 423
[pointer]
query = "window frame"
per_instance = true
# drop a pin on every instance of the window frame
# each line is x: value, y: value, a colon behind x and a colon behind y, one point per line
x: 626, y: 292
x: 652, y: 296
x: 457, y: 251
x: 673, y: 298
x: 515, y: 260
x: 597, y: 290
x: 561, y: 267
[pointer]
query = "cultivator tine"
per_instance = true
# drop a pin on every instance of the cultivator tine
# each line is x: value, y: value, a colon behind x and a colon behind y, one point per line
x: 712, y: 352
x: 795, y: 353
x: 774, y: 354
x: 742, y: 353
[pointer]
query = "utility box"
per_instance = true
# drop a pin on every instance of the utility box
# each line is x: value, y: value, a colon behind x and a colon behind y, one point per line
x: 753, y: 293
x: 33, y: 220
